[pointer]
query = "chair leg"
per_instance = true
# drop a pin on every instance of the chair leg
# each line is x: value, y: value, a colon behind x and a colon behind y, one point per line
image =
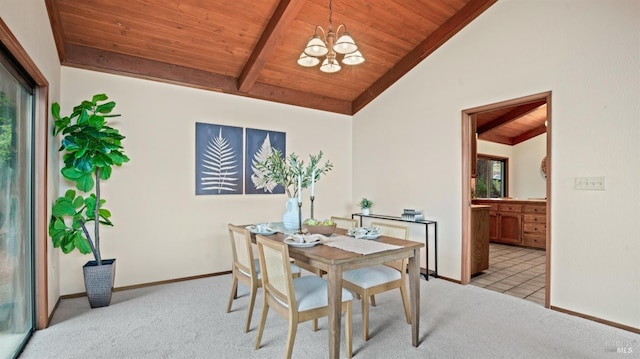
x: 293, y: 327
x: 252, y: 301
x: 365, y: 317
x: 348, y: 330
x: 263, y: 319
x: 314, y: 325
x: 405, y: 302
x: 373, y: 300
x: 232, y: 296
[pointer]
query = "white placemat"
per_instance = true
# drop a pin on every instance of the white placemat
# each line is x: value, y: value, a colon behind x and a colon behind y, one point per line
x: 361, y: 246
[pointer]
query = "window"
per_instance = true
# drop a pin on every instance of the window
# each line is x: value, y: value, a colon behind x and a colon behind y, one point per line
x: 492, y: 177
x: 16, y: 205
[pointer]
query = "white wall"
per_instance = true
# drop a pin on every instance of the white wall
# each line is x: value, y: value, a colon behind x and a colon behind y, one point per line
x: 525, y: 178
x: 162, y: 229
x: 586, y: 53
x: 29, y: 23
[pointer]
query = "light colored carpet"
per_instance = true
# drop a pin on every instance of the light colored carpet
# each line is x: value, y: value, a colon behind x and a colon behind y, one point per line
x: 188, y: 320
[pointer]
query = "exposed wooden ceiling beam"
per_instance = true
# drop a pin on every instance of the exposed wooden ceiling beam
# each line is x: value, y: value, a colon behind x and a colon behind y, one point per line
x: 510, y: 116
x: 110, y: 62
x: 462, y: 18
x: 492, y: 137
x: 299, y: 98
x: 272, y: 35
x: 529, y: 134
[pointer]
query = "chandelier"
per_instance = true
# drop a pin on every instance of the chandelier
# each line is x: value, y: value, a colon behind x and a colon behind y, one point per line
x: 324, y: 43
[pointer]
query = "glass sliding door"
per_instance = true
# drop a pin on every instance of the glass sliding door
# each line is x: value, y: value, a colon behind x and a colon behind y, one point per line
x: 16, y: 208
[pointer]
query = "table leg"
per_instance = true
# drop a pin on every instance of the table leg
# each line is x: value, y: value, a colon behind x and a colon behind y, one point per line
x: 334, y: 293
x: 426, y: 251
x: 435, y: 248
x: 414, y: 294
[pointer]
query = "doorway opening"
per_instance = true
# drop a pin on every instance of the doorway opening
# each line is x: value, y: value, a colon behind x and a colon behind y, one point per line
x: 508, y: 123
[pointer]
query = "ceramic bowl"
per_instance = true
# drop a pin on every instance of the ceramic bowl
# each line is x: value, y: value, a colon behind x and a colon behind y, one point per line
x: 324, y: 230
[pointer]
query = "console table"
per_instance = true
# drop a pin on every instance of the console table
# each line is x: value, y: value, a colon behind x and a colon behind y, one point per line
x: 426, y: 224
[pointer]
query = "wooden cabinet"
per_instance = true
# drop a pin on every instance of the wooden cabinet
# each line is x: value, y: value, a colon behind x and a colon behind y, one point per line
x: 534, y: 226
x: 493, y: 221
x: 517, y: 222
x: 479, y: 238
x: 504, y: 222
x: 509, y: 223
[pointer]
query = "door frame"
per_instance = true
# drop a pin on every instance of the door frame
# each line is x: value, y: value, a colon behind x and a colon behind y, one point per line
x: 469, y: 146
x: 40, y: 172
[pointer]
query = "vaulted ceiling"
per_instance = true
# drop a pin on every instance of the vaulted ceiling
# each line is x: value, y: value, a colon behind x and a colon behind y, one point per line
x: 250, y: 48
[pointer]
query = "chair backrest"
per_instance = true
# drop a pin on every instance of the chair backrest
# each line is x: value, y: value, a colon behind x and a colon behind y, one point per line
x: 277, y: 279
x: 391, y: 230
x: 401, y: 232
x: 242, y: 249
x: 344, y: 223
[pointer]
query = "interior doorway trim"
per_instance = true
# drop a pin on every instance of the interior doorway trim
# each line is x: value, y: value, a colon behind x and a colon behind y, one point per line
x: 468, y: 146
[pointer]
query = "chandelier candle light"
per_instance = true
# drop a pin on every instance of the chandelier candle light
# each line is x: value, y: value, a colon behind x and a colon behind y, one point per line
x: 322, y: 44
x: 313, y: 183
x: 300, y: 203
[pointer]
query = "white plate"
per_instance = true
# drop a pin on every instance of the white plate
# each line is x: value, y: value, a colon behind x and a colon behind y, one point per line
x: 293, y: 243
x: 254, y: 229
x: 352, y: 232
x: 371, y: 236
x: 367, y: 236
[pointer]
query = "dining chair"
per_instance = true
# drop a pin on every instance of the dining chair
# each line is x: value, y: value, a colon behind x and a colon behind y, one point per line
x: 368, y: 281
x: 296, y: 299
x: 344, y: 223
x: 246, y: 268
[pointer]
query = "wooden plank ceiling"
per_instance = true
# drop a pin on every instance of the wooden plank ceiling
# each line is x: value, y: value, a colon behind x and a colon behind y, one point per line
x: 250, y: 48
x: 514, y: 124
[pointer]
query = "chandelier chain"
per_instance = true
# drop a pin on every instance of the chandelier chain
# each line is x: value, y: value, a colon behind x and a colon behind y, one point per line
x: 330, y: 11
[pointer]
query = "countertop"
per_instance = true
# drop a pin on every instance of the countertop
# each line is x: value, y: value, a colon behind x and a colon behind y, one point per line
x: 509, y: 200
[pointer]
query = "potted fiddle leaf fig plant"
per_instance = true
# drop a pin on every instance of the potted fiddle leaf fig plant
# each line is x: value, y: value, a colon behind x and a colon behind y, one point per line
x: 90, y: 150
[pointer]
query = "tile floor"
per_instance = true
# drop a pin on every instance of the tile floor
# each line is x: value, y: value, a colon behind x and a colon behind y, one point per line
x: 515, y: 271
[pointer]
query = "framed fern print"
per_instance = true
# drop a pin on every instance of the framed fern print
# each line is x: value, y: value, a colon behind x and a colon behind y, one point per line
x: 260, y: 144
x: 218, y: 159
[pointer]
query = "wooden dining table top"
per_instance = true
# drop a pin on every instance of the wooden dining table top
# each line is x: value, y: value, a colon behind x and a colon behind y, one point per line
x: 332, y: 255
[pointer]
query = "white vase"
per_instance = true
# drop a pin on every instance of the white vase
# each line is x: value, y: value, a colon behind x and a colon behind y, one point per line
x: 365, y: 211
x: 291, y: 215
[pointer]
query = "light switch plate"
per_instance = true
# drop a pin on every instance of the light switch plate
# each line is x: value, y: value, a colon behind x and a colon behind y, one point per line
x: 590, y: 183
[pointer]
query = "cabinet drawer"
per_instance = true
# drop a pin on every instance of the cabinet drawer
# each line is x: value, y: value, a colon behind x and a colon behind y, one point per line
x: 534, y: 228
x: 534, y: 218
x: 535, y: 208
x: 534, y: 240
x: 511, y: 208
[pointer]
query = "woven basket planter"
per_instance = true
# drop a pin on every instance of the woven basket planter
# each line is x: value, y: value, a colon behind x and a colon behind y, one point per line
x: 98, y: 281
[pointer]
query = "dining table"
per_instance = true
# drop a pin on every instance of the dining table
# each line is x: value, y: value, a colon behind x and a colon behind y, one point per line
x: 335, y: 261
